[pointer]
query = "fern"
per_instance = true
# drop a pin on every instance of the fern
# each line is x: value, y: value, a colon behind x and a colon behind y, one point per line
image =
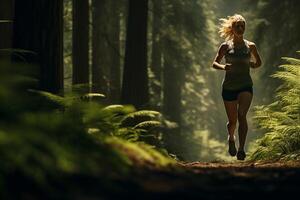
x: 293, y: 61
x: 281, y: 119
x: 68, y: 100
x: 148, y: 125
x: 123, y: 122
x: 52, y: 98
x: 113, y: 120
x: 150, y: 132
x: 134, y: 118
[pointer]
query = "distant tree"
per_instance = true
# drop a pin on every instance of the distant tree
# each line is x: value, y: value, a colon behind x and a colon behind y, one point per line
x: 187, y: 43
x: 114, y: 50
x: 80, y: 37
x: 135, y: 89
x: 277, y: 33
x: 172, y: 96
x: 156, y: 56
x: 173, y: 78
x: 38, y: 27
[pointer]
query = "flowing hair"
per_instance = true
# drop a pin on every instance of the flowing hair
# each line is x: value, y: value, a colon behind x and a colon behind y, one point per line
x: 225, y: 29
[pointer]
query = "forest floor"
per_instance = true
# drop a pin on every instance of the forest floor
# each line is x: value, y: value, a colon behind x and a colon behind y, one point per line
x: 195, y: 180
x: 201, y: 180
x: 244, y: 180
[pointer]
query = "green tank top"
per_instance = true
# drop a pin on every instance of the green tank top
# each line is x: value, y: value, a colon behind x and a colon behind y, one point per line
x: 239, y: 75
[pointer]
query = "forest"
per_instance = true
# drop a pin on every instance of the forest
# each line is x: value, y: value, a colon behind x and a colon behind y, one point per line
x: 109, y: 99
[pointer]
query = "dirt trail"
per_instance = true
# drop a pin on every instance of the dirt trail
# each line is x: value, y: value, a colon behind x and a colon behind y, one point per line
x: 196, y: 180
x: 244, y: 180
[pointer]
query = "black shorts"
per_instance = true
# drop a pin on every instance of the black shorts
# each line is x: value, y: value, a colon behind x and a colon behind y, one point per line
x: 232, y: 95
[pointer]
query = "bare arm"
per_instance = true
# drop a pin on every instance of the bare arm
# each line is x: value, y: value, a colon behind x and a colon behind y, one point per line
x: 217, y: 61
x: 256, y: 55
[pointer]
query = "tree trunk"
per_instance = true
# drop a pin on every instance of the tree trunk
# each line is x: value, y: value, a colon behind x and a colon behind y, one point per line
x: 135, y: 78
x: 99, y: 47
x: 115, y: 68
x: 38, y: 27
x: 81, y: 43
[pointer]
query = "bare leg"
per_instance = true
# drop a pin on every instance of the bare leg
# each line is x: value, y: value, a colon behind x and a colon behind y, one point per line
x: 244, y: 102
x: 232, y: 114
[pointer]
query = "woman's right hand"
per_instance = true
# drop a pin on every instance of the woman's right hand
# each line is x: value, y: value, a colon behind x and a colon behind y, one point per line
x: 227, y: 66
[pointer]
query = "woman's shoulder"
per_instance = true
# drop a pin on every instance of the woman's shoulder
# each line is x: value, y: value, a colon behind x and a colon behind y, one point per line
x: 224, y: 45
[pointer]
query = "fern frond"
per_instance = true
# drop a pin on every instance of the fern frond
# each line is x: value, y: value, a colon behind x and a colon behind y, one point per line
x: 128, y: 134
x: 148, y: 125
x: 135, y: 118
x: 293, y: 61
x: 91, y: 96
x: 119, y: 109
x: 287, y: 77
x: 52, y: 98
x: 294, y: 69
x: 281, y: 119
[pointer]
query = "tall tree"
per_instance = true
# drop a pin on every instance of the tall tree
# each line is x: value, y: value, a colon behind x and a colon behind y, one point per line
x: 38, y: 27
x: 114, y: 50
x: 99, y: 47
x: 135, y: 88
x: 80, y: 42
x: 106, y: 70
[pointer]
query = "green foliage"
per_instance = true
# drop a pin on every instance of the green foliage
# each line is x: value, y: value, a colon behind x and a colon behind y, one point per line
x: 140, y: 116
x: 38, y: 143
x: 281, y: 119
x: 114, y: 120
x: 124, y: 122
x: 54, y: 100
x: 142, y: 153
x: 70, y: 138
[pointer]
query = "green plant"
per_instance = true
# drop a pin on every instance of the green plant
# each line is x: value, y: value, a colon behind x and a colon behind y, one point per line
x: 281, y: 119
x: 122, y: 121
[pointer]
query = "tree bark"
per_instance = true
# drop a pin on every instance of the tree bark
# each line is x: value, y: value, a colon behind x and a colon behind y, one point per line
x: 135, y: 88
x: 115, y: 68
x: 38, y: 27
x: 99, y: 47
x: 80, y: 38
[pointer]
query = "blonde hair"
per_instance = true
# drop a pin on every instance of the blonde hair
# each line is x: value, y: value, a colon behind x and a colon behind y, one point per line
x: 225, y: 29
